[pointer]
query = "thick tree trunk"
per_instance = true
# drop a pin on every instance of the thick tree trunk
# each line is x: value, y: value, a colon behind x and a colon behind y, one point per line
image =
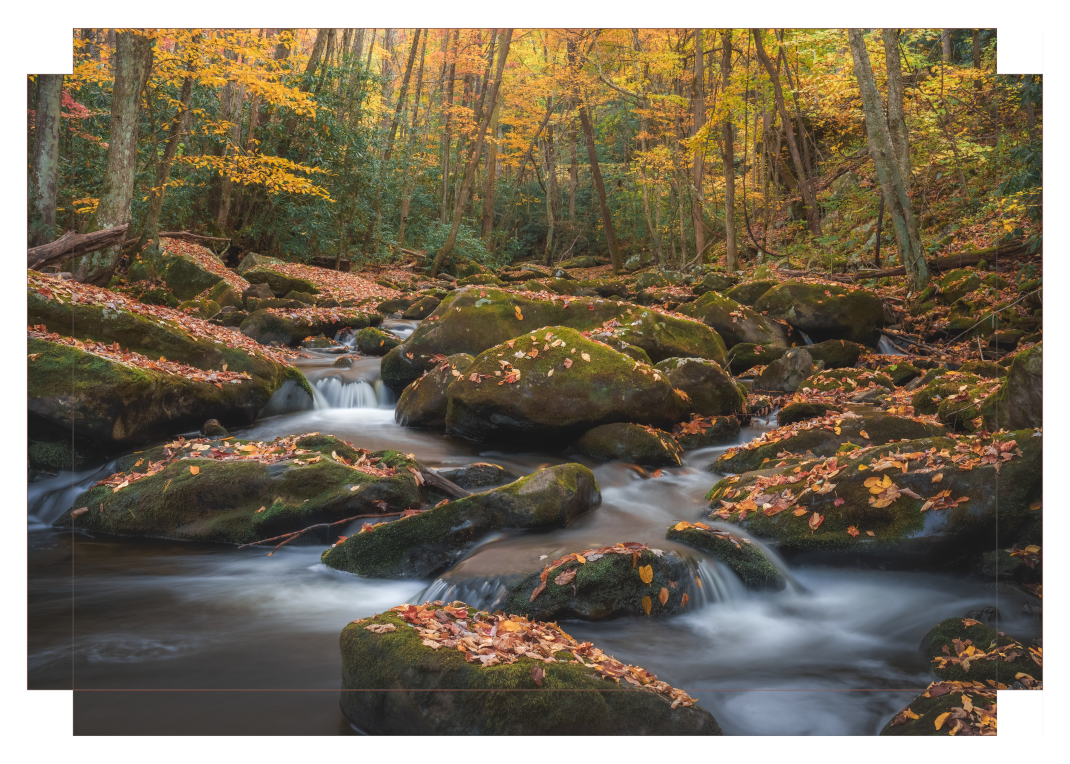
x: 133, y: 62
x: 945, y: 45
x: 698, y: 120
x: 442, y: 256
x: 893, y: 185
x: 800, y: 169
x: 729, y: 156
x: 44, y: 169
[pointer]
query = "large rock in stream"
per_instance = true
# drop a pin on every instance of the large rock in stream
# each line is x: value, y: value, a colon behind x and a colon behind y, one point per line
x: 468, y: 322
x: 291, y: 327
x: 238, y: 491
x: 515, y: 676
x: 423, y: 403
x: 709, y: 389
x: 736, y: 551
x: 735, y: 323
x: 1020, y: 400
x: 826, y: 312
x: 429, y: 542
x: 995, y: 656
x: 121, y: 372
x: 552, y: 385
x: 941, y: 710
x: 923, y: 504
x: 631, y: 443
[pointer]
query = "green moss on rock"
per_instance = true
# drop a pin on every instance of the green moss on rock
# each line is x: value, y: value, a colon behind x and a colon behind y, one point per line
x: 745, y: 559
x: 630, y: 443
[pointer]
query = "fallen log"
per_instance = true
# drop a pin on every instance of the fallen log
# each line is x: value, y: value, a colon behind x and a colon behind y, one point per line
x: 73, y: 244
x: 436, y: 481
x: 949, y: 263
x: 189, y: 236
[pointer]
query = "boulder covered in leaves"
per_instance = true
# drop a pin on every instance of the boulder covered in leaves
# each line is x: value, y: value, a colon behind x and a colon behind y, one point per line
x: 239, y: 491
x: 824, y: 436
x: 423, y: 403
x: 947, y: 708
x: 960, y: 649
x: 428, y: 542
x: 826, y: 312
x: 185, y: 276
x: 705, y: 432
x: 921, y: 504
x: 737, y: 552
x: 802, y: 411
x: 121, y: 372
x: 709, y: 389
x: 290, y: 327
x: 554, y: 384
x: 472, y: 320
x: 624, y: 579
x: 735, y: 323
x: 280, y: 283
x: 630, y: 443
x: 411, y: 653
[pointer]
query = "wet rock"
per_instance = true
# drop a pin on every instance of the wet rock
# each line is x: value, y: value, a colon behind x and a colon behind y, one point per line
x: 748, y: 292
x: 944, y: 703
x: 606, y: 585
x: 901, y: 373
x: 705, y: 432
x: 946, y: 535
x: 787, y: 373
x: 372, y: 341
x: 802, y: 412
x: 835, y: 354
x: 422, y: 308
x: 745, y: 559
x: 342, y: 363
x: 466, y: 322
x: 266, y: 327
x: 416, y: 674
x: 984, y: 662
x: 319, y: 343
x: 429, y: 542
x: 850, y: 381
x: 213, y: 429
x: 819, y: 438
x: 479, y: 475
x: 423, y: 403
x: 747, y: 355
x: 988, y: 614
x: 552, y: 391
x: 279, y: 283
x: 390, y: 307
x: 826, y: 312
x: 710, y: 391
x: 735, y: 323
x: 630, y: 443
x: 241, y: 501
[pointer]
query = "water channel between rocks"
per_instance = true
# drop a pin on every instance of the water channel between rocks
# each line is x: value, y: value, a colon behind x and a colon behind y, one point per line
x: 834, y: 654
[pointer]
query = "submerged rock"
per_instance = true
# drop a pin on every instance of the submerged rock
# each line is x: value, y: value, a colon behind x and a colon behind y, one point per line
x: 424, y: 402
x: 478, y: 475
x: 429, y: 542
x: 626, y: 579
x: 826, y: 312
x: 737, y: 552
x: 402, y: 651
x: 630, y: 443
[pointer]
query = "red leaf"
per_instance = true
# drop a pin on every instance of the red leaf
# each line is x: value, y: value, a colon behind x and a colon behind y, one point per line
x: 537, y: 674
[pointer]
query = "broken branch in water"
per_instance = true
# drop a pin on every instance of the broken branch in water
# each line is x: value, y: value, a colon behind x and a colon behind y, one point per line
x: 294, y: 534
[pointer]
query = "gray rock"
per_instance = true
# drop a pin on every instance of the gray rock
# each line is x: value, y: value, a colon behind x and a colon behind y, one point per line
x: 787, y: 372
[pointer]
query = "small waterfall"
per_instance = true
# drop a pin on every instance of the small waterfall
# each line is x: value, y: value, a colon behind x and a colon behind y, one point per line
x: 887, y: 347
x: 50, y: 498
x: 333, y: 393
x: 806, y: 337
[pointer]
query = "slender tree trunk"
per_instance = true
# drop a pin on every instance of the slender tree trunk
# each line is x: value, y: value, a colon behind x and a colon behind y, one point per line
x: 179, y: 125
x: 698, y: 120
x: 492, y: 168
x: 401, y: 96
x: 448, y: 120
x: 796, y: 157
x: 45, y: 167
x: 596, y: 173
x: 897, y: 126
x: 133, y: 63
x: 729, y: 156
x: 409, y: 181
x: 573, y: 175
x: 328, y: 54
x: 976, y: 40
x: 945, y: 45
x: 551, y: 191
x: 442, y: 256
x: 893, y: 185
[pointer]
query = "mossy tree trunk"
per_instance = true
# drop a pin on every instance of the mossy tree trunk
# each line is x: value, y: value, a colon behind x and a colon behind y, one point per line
x: 133, y: 62
x: 45, y: 164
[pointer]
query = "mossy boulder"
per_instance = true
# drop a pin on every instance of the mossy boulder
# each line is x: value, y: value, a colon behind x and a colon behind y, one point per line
x: 709, y: 389
x: 223, y: 293
x: 238, y: 502
x: 748, y: 292
x: 849, y: 380
x: 746, y: 355
x: 956, y: 284
x: 583, y: 261
x: 390, y: 307
x: 305, y: 298
x: 422, y: 308
x: 480, y: 279
x: 938, y: 646
x: 423, y: 403
x: 787, y: 373
x: 422, y: 545
x: 630, y: 443
x: 467, y: 322
x: 803, y: 412
x: 555, y: 393
x: 943, y: 703
x: 744, y: 558
x: 835, y: 354
x: 319, y: 343
x: 607, y: 287
x: 1020, y: 400
x: 118, y: 403
x: 478, y: 475
x: 256, y: 292
x: 185, y: 277
x: 735, y: 323
x: 714, y: 282
x: 903, y: 536
x: 937, y: 386
x: 901, y: 372
x: 826, y: 312
x: 372, y: 341
x: 279, y: 283
x: 985, y: 369
x: 822, y: 440
x: 253, y: 260
x: 571, y: 700
x: 606, y: 586
x: 200, y: 308
x: 266, y: 326
x: 705, y: 432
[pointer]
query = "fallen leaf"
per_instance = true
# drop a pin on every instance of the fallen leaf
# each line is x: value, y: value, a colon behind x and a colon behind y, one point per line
x: 566, y: 577
x: 538, y: 590
x: 656, y: 473
x: 646, y: 572
x: 941, y: 718
x: 938, y: 477
x: 259, y: 510
x: 537, y: 674
x: 864, y: 434
x: 647, y: 604
x: 79, y: 511
x: 585, y: 357
x: 664, y: 595
x: 815, y: 521
x: 1035, y: 506
x: 838, y: 502
x: 684, y: 599
x: 852, y: 530
x: 194, y: 469
x: 381, y: 628
x: 870, y: 533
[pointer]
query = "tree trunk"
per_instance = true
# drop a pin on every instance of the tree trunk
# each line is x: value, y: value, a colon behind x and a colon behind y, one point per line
x: 897, y: 126
x: 409, y: 181
x: 230, y: 111
x: 448, y: 120
x: 893, y: 185
x: 800, y: 169
x: 492, y: 169
x: 401, y: 96
x: 442, y: 256
x: 698, y: 120
x: 945, y: 45
x: 729, y: 156
x: 596, y: 173
x: 573, y: 175
x: 133, y: 62
x: 551, y: 191
x: 45, y: 167
x: 179, y: 125
x: 976, y: 40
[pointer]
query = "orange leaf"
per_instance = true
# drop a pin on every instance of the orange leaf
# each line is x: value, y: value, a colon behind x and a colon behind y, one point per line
x: 646, y: 572
x: 664, y: 595
x: 852, y: 530
x: 815, y: 521
x: 683, y: 601
x: 194, y: 469
x: 647, y: 604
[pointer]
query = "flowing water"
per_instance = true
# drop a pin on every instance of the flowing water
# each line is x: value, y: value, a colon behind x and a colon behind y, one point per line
x: 231, y: 641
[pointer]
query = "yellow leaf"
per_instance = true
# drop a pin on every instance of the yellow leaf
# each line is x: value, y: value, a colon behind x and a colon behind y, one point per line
x: 585, y: 357
x: 581, y: 558
x: 910, y: 714
x: 194, y: 469
x: 683, y: 525
x: 647, y: 604
x: 664, y: 595
x: 1035, y: 506
x: 508, y: 626
x: 864, y: 434
x: 941, y: 718
x: 862, y: 467
x: 938, y: 477
x: 646, y: 573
